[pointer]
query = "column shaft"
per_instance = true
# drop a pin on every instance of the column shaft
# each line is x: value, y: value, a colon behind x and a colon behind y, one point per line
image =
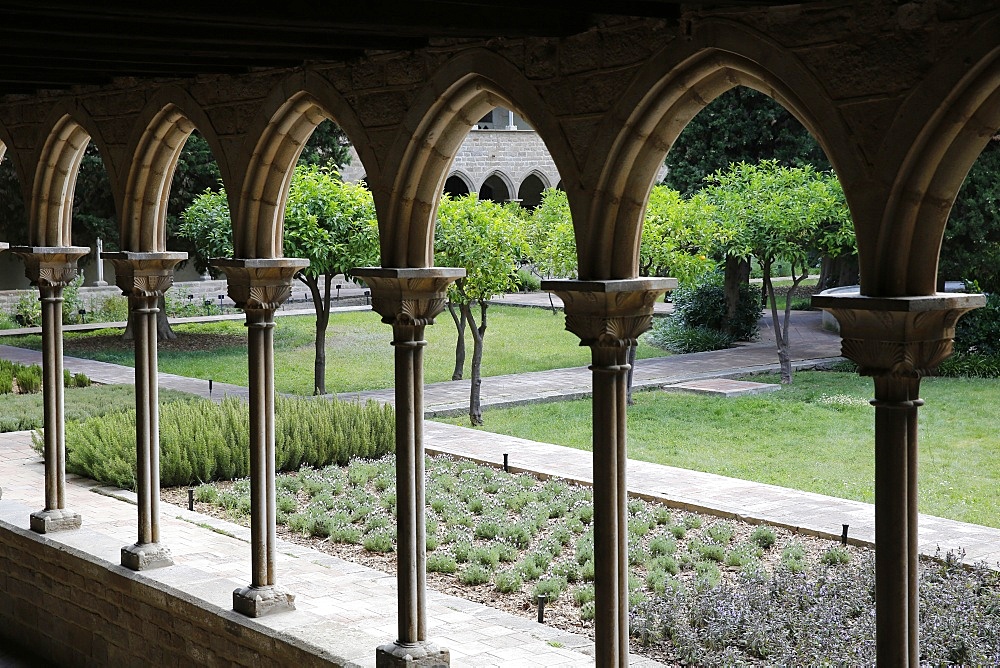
x: 262, y: 487
x: 143, y: 418
x: 408, y: 345
x: 53, y: 399
x: 610, y: 505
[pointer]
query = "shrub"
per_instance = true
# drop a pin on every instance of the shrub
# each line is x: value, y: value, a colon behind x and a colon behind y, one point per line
x: 473, y: 575
x: 704, y: 305
x: 670, y: 334
x: 379, y: 541
x: 508, y: 582
x: 584, y: 594
x: 793, y: 557
x: 441, y: 563
x: 528, y: 282
x: 201, y: 440
x: 29, y: 380
x: 487, y: 529
x: 206, y: 494
x: 661, y: 545
x: 970, y: 365
x: 528, y: 569
x: 708, y: 551
x: 835, y: 556
x: 551, y: 588
x: 763, y: 536
x: 721, y: 532
x: 568, y: 570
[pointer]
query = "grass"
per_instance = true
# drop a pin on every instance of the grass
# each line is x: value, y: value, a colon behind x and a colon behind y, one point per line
x: 359, y: 356
x: 816, y: 435
x: 24, y: 411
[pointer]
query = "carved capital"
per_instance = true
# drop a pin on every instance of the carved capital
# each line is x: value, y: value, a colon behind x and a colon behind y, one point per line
x: 260, y: 284
x: 50, y: 266
x: 412, y: 297
x: 144, y: 274
x: 609, y: 313
x: 897, y: 336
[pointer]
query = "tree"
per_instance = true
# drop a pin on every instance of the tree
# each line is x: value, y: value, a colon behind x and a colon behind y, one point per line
x: 488, y: 241
x: 550, y: 239
x: 971, y: 247
x: 741, y: 125
x: 677, y: 236
x: 773, y: 213
x: 329, y: 222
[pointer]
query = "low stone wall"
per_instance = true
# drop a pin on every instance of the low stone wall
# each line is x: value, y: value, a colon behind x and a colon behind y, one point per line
x: 77, y: 610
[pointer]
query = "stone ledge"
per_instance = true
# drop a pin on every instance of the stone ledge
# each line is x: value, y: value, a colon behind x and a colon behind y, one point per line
x: 723, y: 387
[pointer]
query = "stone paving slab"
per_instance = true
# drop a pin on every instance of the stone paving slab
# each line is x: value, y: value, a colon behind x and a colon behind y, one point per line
x: 341, y: 607
x: 723, y: 387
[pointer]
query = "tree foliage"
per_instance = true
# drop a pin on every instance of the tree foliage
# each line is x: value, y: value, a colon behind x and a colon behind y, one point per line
x: 328, y: 222
x: 678, y: 236
x: 774, y: 213
x: 741, y: 125
x: 971, y: 247
x: 489, y: 241
x: 550, y: 237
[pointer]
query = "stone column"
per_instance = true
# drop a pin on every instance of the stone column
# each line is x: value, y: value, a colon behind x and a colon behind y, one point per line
x: 52, y: 268
x: 259, y: 286
x: 409, y: 300
x: 143, y: 278
x: 897, y: 341
x: 609, y: 316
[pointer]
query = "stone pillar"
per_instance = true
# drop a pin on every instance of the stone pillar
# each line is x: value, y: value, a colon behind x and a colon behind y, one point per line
x: 609, y: 316
x: 143, y: 278
x: 259, y: 287
x: 897, y: 341
x: 52, y: 268
x: 409, y: 299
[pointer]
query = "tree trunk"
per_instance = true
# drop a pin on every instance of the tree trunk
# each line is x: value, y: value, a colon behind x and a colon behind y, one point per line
x: 478, y: 333
x: 837, y: 271
x: 737, y: 272
x: 459, y: 319
x: 781, y: 327
x: 631, y: 368
x: 321, y: 303
x: 163, y: 330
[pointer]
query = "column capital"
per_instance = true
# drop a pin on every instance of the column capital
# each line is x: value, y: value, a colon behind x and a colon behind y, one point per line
x: 260, y: 284
x: 609, y: 313
x: 897, y: 336
x: 409, y: 296
x: 144, y: 274
x: 50, y: 266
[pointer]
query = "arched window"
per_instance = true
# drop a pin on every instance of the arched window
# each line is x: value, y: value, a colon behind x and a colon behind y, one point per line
x: 530, y: 192
x: 456, y: 186
x: 494, y: 189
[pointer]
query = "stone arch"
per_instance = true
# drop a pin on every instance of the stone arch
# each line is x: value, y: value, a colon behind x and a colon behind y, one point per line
x: 455, y: 98
x: 657, y: 106
x: 532, y: 186
x: 462, y: 184
x: 163, y: 129
x: 50, y: 211
x: 290, y: 115
x: 954, y: 127
x: 491, y: 187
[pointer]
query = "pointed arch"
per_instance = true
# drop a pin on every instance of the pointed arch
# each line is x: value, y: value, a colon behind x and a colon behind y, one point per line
x: 459, y: 178
x: 285, y: 126
x: 50, y: 211
x: 657, y: 106
x: 498, y: 177
x: 456, y: 97
x: 943, y: 127
x: 532, y: 186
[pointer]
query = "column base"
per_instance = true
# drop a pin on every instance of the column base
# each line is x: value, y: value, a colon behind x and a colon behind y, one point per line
x: 47, y: 521
x: 260, y: 601
x: 145, y: 556
x: 422, y: 654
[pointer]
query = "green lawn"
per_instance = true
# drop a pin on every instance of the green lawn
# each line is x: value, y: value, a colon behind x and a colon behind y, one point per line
x: 359, y: 356
x: 817, y: 435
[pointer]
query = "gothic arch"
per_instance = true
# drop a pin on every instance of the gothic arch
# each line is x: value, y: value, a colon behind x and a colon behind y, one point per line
x: 457, y: 96
x: 165, y: 125
x: 285, y: 126
x: 502, y: 178
x: 658, y: 105
x: 532, y: 186
x: 50, y: 209
x: 941, y: 151
x: 461, y: 176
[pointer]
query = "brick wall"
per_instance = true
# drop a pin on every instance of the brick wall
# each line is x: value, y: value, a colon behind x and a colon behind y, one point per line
x: 77, y: 610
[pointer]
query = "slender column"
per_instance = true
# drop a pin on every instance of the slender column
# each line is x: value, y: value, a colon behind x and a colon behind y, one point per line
x: 259, y: 287
x: 897, y: 341
x: 409, y: 300
x: 52, y: 269
x: 609, y: 316
x: 144, y: 278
